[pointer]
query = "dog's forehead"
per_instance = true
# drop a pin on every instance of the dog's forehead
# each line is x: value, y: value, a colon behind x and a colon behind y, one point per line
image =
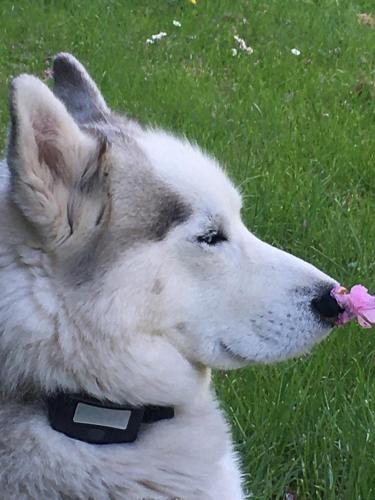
x: 190, y: 172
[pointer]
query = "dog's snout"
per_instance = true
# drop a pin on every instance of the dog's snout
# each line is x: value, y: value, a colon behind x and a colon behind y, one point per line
x: 326, y: 306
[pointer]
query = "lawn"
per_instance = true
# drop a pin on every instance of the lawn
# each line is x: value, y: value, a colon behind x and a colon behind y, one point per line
x: 297, y: 133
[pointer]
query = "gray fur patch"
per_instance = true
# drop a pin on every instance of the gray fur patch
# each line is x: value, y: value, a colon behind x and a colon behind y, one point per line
x: 148, y: 208
x: 157, y: 287
x: 143, y: 208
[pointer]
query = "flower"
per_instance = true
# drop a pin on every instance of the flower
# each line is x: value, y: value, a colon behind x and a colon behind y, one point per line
x: 358, y: 303
x: 176, y: 23
x: 155, y: 38
x: 48, y: 74
x: 242, y: 45
x: 234, y: 52
x: 296, y: 52
x: 366, y: 19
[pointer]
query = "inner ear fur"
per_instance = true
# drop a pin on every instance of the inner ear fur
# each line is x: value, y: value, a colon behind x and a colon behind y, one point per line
x: 56, y: 168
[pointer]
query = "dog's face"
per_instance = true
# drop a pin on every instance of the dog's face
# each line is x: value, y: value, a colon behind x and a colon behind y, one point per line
x: 140, y: 251
x: 226, y: 298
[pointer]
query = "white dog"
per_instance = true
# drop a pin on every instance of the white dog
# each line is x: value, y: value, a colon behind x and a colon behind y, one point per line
x: 126, y: 274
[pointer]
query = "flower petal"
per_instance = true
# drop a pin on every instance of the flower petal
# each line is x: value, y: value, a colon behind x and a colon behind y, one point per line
x: 362, y: 321
x: 369, y: 314
x: 357, y: 303
x: 360, y: 297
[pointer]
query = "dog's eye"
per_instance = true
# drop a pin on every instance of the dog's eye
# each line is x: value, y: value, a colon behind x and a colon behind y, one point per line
x: 212, y: 237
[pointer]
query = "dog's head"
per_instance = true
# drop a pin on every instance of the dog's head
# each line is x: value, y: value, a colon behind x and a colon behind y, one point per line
x: 125, y: 256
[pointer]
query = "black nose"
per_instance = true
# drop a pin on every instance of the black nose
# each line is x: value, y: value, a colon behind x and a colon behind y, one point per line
x: 326, y: 306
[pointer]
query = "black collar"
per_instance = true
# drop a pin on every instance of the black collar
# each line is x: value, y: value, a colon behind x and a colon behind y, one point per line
x: 100, y: 422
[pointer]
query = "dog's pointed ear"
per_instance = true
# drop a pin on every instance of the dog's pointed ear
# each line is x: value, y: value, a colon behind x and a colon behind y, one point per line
x: 76, y: 89
x: 57, y: 173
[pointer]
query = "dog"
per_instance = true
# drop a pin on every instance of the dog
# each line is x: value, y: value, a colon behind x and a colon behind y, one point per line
x: 127, y: 274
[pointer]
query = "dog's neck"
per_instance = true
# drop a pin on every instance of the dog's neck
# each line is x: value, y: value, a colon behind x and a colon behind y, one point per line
x: 194, y: 447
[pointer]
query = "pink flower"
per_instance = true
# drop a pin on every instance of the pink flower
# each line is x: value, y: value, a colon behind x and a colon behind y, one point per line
x: 358, y: 303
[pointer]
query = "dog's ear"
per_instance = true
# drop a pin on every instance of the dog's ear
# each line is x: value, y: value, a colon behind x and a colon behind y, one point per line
x: 74, y: 86
x: 58, y: 172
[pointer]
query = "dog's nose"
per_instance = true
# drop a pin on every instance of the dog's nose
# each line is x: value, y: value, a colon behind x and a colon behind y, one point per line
x: 326, y: 306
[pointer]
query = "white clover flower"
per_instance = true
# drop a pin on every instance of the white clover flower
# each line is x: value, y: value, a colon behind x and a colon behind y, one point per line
x: 296, y: 52
x: 234, y: 52
x: 242, y: 45
x: 176, y: 23
x: 155, y: 38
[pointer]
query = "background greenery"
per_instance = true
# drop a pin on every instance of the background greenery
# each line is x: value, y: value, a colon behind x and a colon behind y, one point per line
x: 297, y: 134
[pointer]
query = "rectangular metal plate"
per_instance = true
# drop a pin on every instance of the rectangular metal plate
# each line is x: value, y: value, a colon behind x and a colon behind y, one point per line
x: 106, y: 417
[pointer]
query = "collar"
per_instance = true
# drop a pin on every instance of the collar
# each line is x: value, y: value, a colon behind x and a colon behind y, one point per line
x: 100, y: 422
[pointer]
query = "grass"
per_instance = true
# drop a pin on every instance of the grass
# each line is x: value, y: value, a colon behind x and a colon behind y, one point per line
x: 297, y: 133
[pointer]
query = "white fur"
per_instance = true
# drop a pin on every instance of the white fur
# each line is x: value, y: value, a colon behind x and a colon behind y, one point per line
x: 146, y: 330
x: 247, y: 293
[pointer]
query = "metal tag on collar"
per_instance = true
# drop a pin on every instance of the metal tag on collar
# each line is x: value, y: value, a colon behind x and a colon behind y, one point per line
x: 94, y: 421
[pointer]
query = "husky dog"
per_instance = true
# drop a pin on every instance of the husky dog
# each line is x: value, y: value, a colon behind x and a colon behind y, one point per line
x: 126, y: 275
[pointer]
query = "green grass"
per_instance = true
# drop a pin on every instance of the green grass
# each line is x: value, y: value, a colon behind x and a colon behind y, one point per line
x: 297, y: 134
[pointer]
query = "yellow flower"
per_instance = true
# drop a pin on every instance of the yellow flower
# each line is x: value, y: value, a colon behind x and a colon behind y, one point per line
x: 194, y: 2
